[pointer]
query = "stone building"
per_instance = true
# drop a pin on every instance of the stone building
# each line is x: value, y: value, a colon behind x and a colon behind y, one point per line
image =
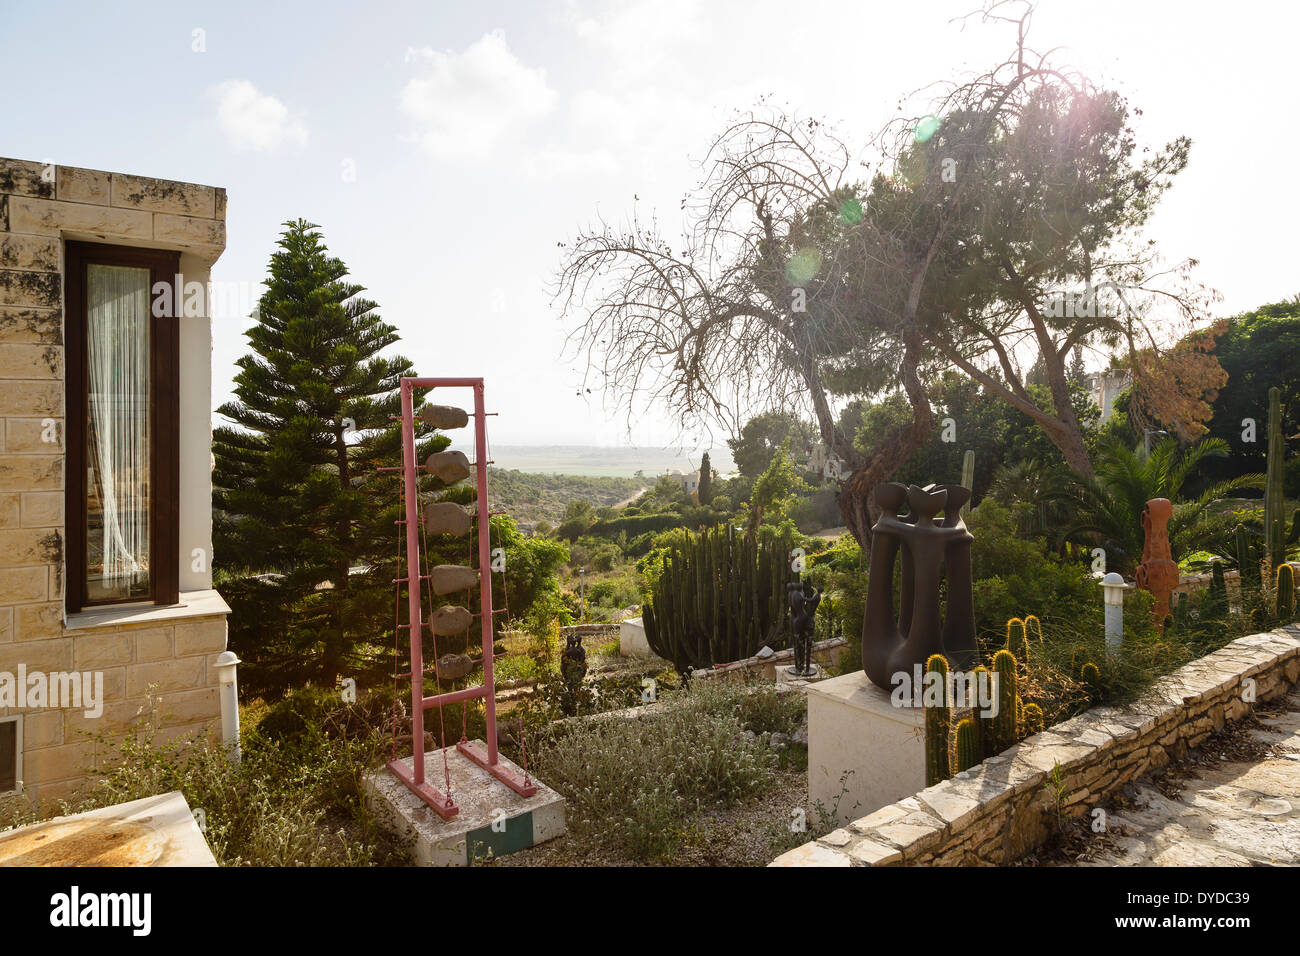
x: 108, y: 619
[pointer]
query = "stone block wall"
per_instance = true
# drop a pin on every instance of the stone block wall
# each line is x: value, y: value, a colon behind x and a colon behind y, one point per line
x: 42, y: 206
x: 1000, y: 810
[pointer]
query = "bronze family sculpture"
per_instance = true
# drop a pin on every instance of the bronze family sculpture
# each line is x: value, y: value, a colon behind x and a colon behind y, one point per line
x: 932, y: 549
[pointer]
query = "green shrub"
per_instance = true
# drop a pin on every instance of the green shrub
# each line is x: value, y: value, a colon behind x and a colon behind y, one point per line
x: 1014, y: 575
x: 293, y: 801
x: 688, y: 757
x: 756, y: 704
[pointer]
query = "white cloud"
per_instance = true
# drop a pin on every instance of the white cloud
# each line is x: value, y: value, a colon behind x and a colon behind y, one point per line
x: 254, y: 120
x: 464, y: 104
x: 552, y: 163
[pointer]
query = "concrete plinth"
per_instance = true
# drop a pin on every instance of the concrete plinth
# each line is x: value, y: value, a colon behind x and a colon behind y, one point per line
x: 632, y: 640
x: 493, y: 819
x: 852, y: 725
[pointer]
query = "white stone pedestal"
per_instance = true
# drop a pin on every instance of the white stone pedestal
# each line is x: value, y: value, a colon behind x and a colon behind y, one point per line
x: 632, y: 640
x: 852, y: 725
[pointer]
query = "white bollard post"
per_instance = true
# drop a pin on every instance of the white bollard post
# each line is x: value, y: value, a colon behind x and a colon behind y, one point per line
x: 227, y: 662
x: 1114, y: 586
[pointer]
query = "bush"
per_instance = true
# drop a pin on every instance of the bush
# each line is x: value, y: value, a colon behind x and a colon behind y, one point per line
x: 633, y: 525
x: 1014, y: 576
x: 756, y: 704
x: 841, y: 573
x: 296, y: 800
x: 685, y: 758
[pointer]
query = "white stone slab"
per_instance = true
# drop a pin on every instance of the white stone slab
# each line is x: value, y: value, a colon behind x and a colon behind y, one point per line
x: 853, y: 725
x: 154, y: 831
x: 632, y: 640
x: 521, y: 822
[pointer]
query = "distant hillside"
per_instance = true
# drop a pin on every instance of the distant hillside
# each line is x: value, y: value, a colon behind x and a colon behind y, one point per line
x: 529, y: 498
x: 622, y: 462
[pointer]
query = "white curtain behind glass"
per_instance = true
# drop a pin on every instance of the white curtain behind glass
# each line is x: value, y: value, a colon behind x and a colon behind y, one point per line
x: 118, y: 450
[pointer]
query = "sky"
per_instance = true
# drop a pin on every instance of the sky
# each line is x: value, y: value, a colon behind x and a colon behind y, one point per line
x: 445, y: 149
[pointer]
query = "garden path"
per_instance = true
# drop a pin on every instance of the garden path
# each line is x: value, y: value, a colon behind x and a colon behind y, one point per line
x: 1233, y: 806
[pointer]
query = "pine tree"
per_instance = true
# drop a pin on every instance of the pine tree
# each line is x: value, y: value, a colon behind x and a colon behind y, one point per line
x: 296, y: 486
x: 1077, y: 372
x: 705, y: 487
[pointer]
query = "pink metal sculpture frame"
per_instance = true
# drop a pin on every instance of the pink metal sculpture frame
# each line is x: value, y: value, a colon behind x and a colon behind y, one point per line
x: 485, y: 757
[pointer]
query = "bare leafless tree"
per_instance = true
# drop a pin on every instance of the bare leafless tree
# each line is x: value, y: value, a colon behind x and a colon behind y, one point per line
x: 797, y: 282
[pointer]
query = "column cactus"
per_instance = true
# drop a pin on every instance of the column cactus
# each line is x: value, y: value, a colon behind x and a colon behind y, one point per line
x: 981, y: 677
x: 1247, y: 563
x: 1034, y: 628
x: 1033, y: 719
x: 968, y: 745
x: 1216, y: 599
x: 938, y: 725
x: 1003, y: 722
x: 1284, y: 593
x: 968, y: 478
x: 1091, y: 678
x: 1018, y: 638
x: 1275, y: 537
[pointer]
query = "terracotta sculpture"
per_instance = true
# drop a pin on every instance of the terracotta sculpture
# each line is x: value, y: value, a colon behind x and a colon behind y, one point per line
x: 896, y: 642
x: 1158, y: 572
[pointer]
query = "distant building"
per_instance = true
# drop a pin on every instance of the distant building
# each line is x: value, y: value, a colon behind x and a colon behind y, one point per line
x: 690, y: 482
x: 825, y: 462
x: 1105, y: 386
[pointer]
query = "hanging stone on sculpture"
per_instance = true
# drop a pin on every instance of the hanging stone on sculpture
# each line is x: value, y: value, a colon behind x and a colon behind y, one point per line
x: 448, y: 578
x: 449, y: 466
x: 443, y: 416
x: 451, y: 619
x: 454, y: 666
x: 446, y: 517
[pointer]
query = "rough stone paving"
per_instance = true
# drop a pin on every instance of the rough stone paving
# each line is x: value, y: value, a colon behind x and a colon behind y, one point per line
x: 1238, y: 813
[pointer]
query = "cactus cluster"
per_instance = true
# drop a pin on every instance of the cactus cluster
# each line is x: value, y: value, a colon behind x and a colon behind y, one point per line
x: 721, y: 597
x: 978, y: 736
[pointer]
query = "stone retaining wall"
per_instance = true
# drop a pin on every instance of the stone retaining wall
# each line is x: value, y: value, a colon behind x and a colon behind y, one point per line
x: 604, y: 629
x: 823, y: 652
x: 1000, y: 810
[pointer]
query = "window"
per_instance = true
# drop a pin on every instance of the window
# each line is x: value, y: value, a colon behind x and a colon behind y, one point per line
x: 11, y: 753
x: 123, y: 410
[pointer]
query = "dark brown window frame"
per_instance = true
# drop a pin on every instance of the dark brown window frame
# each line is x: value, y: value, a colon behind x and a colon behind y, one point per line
x: 164, y: 423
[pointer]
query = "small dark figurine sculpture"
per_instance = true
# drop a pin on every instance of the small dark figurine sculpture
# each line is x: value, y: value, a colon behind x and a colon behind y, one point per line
x: 803, y: 611
x: 894, y: 643
x: 573, y: 662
